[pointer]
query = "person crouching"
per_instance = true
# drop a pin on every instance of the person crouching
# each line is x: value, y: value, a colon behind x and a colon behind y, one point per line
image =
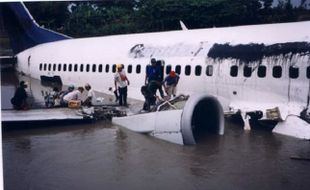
x: 74, y: 95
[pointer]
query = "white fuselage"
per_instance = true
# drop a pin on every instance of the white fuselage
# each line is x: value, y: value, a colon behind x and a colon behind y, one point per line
x: 182, y: 49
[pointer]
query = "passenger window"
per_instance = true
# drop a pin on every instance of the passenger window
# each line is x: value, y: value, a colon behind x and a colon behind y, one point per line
x: 81, y: 68
x: 247, y: 71
x: 198, y: 70
x: 261, y: 71
x: 65, y: 67
x: 138, y: 69
x: 187, y: 70
x: 49, y: 67
x: 168, y: 69
x: 40, y: 67
x: 178, y: 69
x: 94, y: 68
x: 54, y: 67
x: 113, y: 68
x: 75, y: 67
x: 87, y: 68
x: 44, y: 67
x: 294, y: 72
x: 70, y: 67
x: 129, y: 69
x: 59, y: 67
x: 234, y: 71
x: 107, y: 68
x: 100, y: 68
x: 308, y: 72
x: 277, y: 71
x: 209, y: 70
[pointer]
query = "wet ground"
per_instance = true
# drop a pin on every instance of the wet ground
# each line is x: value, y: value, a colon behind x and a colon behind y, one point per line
x: 103, y: 156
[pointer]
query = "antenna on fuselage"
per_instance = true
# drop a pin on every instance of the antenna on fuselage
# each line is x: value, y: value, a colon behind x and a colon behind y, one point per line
x: 183, y: 25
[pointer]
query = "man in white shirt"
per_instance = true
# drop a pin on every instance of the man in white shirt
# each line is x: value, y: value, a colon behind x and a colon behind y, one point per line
x: 91, y: 98
x: 74, y: 95
x: 121, y: 81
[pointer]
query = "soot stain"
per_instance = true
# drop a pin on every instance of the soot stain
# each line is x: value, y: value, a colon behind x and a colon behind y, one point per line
x: 256, y: 52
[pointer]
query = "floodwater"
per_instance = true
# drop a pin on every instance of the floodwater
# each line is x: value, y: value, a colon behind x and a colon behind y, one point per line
x: 103, y: 156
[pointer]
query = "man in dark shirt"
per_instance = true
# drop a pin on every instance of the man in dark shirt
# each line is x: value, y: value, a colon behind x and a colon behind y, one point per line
x: 153, y: 76
x: 20, y: 97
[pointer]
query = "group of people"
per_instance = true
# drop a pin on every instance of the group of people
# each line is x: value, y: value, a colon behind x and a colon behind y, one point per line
x: 154, y: 81
x: 71, y: 94
x: 54, y: 98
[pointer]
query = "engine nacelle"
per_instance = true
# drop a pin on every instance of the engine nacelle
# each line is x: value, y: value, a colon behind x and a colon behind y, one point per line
x: 201, y: 115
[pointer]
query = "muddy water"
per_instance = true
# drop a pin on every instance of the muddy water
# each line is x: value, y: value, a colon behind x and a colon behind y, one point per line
x: 103, y: 156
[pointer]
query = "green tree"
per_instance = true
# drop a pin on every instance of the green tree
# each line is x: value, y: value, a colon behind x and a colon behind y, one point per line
x: 51, y: 15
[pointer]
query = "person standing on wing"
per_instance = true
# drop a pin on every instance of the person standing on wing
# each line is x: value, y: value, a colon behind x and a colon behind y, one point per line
x: 121, y: 82
x: 153, y: 77
x: 170, y: 83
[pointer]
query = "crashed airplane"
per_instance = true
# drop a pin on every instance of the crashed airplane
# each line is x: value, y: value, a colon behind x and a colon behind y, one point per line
x: 260, y: 72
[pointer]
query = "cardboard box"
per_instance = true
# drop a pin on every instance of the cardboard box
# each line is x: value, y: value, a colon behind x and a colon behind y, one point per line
x: 74, y: 104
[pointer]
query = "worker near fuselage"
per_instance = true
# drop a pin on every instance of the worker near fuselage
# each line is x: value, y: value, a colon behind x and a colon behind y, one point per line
x: 89, y: 101
x: 153, y: 77
x: 74, y: 95
x: 121, y: 82
x: 63, y: 93
x: 19, y: 99
x: 170, y: 83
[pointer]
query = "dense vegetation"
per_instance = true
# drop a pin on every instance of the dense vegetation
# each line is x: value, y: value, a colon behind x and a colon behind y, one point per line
x: 81, y: 19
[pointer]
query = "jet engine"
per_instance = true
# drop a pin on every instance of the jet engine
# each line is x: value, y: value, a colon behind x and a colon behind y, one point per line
x: 185, y: 122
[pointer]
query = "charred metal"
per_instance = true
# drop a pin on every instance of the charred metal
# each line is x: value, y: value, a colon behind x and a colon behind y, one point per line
x: 256, y: 52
